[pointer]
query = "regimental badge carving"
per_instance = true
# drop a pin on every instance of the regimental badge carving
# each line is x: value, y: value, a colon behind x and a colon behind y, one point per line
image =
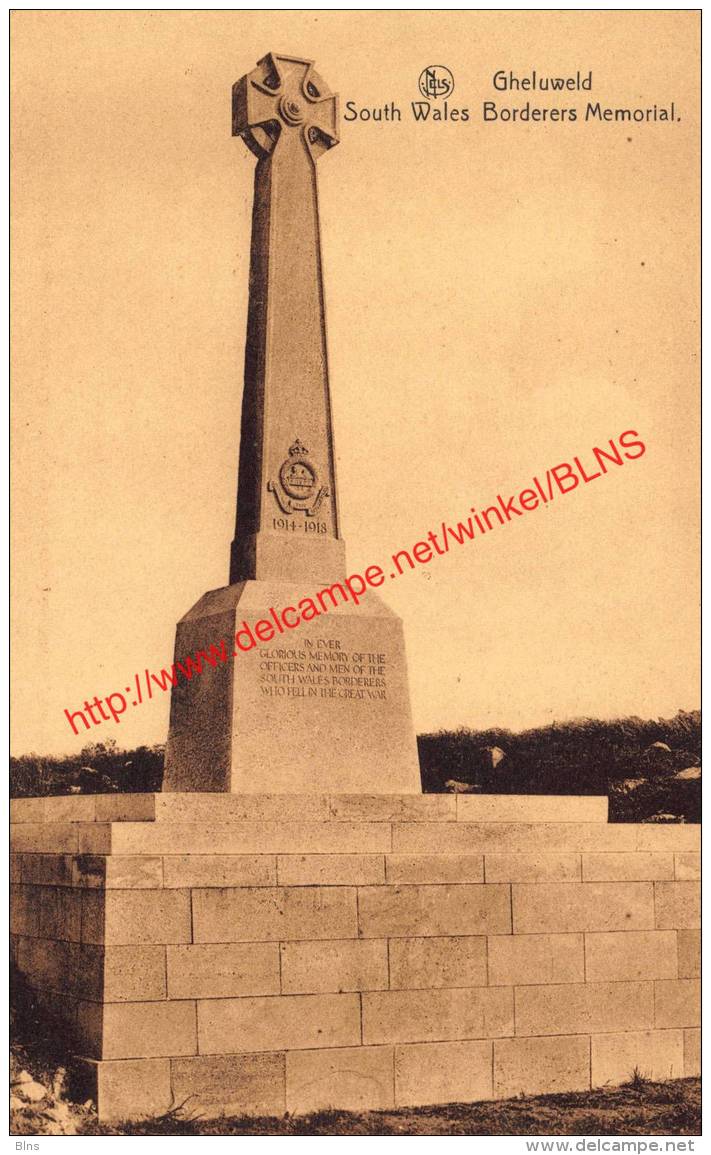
x: 296, y: 488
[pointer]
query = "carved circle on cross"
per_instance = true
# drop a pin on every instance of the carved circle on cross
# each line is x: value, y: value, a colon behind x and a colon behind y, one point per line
x: 291, y: 111
x: 283, y: 93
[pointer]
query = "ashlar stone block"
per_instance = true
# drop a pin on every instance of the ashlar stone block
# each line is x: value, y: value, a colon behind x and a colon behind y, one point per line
x: 213, y: 1085
x: 128, y: 1088
x: 677, y: 836
x: 133, y: 973
x: 434, y: 868
x: 393, y: 808
x: 264, y: 914
x: 117, y: 872
x: 46, y: 869
x: 525, y: 837
x: 677, y: 1003
x: 125, y: 807
x: 588, y: 906
x: 222, y: 870
x: 677, y: 905
x: 541, y: 867
x: 211, y: 808
x: 458, y: 1072
x: 531, y: 808
x: 137, y: 1030
x: 657, y: 1055
x: 429, y: 963
x: 135, y: 916
x: 407, y: 911
x: 52, y: 966
x: 330, y: 869
x: 346, y: 1079
x: 631, y: 866
x: 692, y: 1052
x: 584, y: 1008
x: 687, y: 867
x: 290, y: 1022
x: 62, y: 808
x: 44, y: 838
x: 437, y: 1015
x: 689, y: 953
x: 334, y: 966
x: 221, y: 970
x: 250, y: 837
x: 24, y: 810
x: 24, y: 910
x: 60, y: 912
x: 516, y: 960
x: 630, y: 955
x: 540, y: 1066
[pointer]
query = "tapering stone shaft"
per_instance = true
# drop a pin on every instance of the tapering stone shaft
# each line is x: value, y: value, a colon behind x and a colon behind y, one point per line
x: 287, y: 512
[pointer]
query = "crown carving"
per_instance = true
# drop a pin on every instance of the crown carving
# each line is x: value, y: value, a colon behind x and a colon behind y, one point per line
x: 297, y: 449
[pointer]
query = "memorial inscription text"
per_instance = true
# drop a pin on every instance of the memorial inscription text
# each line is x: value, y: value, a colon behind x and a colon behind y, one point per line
x: 321, y: 668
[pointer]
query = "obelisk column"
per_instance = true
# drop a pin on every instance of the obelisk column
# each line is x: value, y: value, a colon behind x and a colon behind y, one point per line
x: 287, y: 515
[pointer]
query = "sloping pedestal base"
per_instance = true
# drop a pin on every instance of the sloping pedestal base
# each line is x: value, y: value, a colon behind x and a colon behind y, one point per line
x: 327, y: 702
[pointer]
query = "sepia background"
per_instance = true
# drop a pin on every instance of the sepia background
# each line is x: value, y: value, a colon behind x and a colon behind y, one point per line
x: 500, y: 298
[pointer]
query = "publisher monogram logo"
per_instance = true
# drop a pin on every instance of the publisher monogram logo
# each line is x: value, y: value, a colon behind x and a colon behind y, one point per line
x: 436, y: 85
x: 436, y: 81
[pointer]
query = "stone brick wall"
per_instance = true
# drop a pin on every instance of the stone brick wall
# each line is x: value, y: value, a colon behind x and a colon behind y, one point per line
x: 261, y: 954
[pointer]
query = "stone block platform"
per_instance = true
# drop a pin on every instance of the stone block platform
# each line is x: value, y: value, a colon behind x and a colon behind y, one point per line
x: 261, y: 954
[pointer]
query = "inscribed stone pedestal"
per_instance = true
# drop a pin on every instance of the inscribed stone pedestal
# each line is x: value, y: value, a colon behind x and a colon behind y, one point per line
x: 325, y: 705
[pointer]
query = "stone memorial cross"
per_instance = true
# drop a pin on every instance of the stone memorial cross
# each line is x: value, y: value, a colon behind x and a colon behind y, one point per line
x: 322, y: 708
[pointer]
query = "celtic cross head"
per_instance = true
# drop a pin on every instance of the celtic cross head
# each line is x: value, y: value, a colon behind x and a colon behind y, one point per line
x: 283, y: 94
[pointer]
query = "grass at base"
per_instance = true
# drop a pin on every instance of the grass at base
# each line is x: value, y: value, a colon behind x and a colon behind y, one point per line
x: 671, y: 1108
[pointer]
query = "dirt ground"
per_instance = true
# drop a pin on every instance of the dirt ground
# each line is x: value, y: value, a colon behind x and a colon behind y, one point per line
x: 672, y: 1108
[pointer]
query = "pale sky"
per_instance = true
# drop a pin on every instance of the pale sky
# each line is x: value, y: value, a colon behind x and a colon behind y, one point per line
x: 500, y: 298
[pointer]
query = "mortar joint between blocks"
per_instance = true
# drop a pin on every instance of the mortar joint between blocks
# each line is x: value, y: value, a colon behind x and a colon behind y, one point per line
x: 654, y: 1003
